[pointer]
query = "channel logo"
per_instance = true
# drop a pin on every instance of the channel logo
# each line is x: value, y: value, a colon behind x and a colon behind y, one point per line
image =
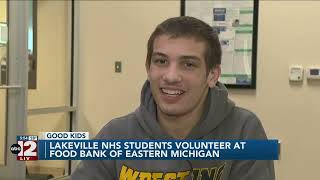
x: 26, y: 148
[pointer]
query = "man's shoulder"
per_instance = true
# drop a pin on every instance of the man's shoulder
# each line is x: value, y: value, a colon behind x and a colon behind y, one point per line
x: 244, y: 115
x: 240, y: 123
x: 119, y: 128
x: 251, y: 126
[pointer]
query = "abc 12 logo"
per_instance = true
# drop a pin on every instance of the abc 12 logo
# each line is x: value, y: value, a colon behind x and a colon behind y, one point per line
x: 26, y: 148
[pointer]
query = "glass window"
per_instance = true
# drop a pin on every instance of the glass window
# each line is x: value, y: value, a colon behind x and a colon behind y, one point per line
x: 53, y: 56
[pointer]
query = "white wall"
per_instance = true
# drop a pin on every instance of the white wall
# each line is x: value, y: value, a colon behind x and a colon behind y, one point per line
x: 288, y: 34
x: 112, y: 31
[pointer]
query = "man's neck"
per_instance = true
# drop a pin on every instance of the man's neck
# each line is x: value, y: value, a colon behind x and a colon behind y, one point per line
x: 180, y: 126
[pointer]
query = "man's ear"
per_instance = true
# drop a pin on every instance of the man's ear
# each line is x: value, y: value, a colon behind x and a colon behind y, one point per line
x: 213, y: 75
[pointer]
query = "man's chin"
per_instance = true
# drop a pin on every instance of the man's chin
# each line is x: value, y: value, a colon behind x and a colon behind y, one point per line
x: 170, y: 112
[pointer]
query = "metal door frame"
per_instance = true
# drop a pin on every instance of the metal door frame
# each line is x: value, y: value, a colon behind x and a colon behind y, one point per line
x: 17, y: 88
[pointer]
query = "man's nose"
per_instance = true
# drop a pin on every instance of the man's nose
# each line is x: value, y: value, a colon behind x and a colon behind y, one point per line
x: 172, y: 74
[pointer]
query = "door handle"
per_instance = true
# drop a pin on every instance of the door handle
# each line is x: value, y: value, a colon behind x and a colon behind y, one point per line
x: 10, y: 87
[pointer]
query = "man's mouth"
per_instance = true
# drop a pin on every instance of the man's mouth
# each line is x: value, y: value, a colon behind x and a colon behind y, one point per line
x: 172, y: 92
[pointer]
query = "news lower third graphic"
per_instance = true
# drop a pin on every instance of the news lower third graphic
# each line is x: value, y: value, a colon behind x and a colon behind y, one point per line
x: 77, y: 146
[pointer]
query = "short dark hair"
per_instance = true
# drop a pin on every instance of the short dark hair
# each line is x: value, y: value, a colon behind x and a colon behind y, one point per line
x: 190, y: 27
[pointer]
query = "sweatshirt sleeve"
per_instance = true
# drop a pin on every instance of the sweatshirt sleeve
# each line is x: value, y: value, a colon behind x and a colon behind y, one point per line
x: 94, y: 170
x: 252, y: 169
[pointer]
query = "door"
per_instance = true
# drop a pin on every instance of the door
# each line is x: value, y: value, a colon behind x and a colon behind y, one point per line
x: 13, y: 86
x: 48, y: 102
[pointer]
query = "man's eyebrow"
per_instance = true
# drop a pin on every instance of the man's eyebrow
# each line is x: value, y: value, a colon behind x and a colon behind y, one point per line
x: 159, y: 54
x: 183, y: 57
x: 190, y: 57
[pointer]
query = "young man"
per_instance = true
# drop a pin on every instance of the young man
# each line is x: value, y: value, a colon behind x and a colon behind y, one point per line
x: 182, y: 99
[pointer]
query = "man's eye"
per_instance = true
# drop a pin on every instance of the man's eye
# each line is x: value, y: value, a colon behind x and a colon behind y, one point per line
x: 189, y: 65
x: 160, y: 61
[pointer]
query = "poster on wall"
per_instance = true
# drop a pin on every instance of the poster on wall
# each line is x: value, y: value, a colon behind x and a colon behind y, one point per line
x: 236, y: 24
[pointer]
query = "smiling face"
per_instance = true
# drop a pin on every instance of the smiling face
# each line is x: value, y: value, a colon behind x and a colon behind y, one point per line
x: 177, y: 74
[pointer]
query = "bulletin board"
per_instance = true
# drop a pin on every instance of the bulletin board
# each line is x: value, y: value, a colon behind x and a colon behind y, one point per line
x: 236, y: 22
